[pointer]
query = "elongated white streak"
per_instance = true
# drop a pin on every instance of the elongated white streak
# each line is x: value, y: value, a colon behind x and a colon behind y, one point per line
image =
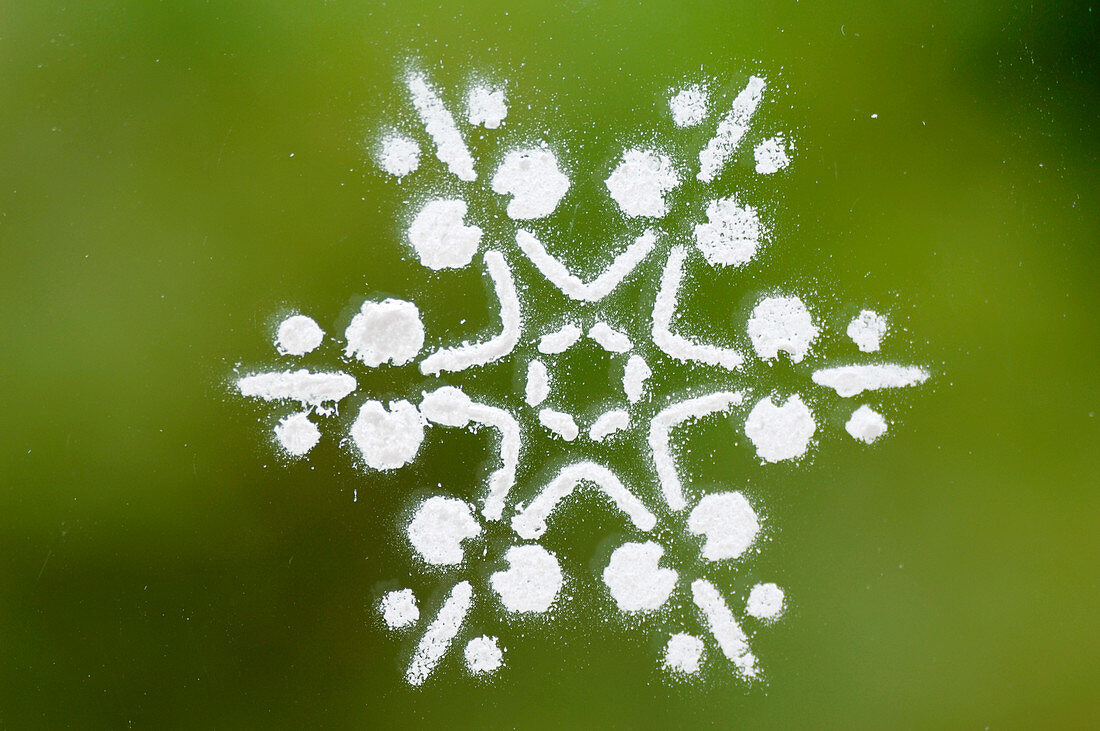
x: 635, y: 375
x: 608, y: 423
x: 730, y: 130
x: 450, y: 406
x: 468, y: 355
x: 560, y: 423
x: 662, y: 425
x: 538, y: 383
x: 440, y: 124
x: 664, y: 307
x: 560, y: 340
x: 310, y: 389
x: 440, y: 633
x: 530, y: 523
x: 610, y: 339
x: 855, y: 379
x: 571, y: 285
x: 727, y: 632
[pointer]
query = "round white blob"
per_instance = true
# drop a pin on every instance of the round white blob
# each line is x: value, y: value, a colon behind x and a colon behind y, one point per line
x: 531, y: 176
x: 727, y: 522
x: 298, y: 335
x: 389, y: 330
x: 636, y: 582
x: 640, y: 182
x: 781, y: 323
x: 440, y: 238
x: 771, y: 156
x: 866, y: 424
x: 399, y: 155
x: 486, y: 107
x: 689, y: 106
x: 399, y: 608
x: 765, y: 601
x: 866, y: 330
x: 439, y: 527
x: 388, y: 439
x: 780, y: 432
x: 731, y: 234
x: 297, y: 434
x: 531, y: 582
x: 683, y: 653
x: 483, y: 655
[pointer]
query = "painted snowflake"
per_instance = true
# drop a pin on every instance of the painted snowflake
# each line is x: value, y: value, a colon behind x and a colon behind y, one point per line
x: 639, y: 575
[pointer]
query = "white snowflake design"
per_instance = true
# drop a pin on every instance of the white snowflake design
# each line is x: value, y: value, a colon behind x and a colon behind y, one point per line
x: 722, y: 526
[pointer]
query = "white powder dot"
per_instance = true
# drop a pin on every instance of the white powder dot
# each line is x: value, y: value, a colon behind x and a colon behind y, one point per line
x: 635, y: 375
x: 531, y: 582
x: 297, y: 434
x: 765, y: 601
x: 440, y: 237
x: 781, y: 323
x: 531, y: 176
x: 538, y: 383
x: 298, y: 335
x: 389, y: 330
x: 689, y: 106
x: 731, y: 234
x: 438, y: 529
x: 640, y: 182
x: 866, y: 330
x: 728, y: 523
x: 486, y: 107
x: 780, y: 432
x: 483, y: 655
x: 609, y: 423
x: 560, y: 423
x: 399, y: 608
x: 683, y: 653
x: 399, y: 155
x: 388, y: 439
x: 866, y: 424
x: 771, y: 156
x: 636, y: 582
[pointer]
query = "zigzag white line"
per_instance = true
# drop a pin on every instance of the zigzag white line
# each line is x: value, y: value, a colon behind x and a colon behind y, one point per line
x: 571, y: 285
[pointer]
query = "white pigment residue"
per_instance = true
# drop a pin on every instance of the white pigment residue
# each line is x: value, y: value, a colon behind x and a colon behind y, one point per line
x: 853, y: 380
x: 609, y: 423
x: 440, y: 236
x: 532, y: 177
x: 573, y: 286
x: 683, y: 653
x: 399, y: 608
x: 866, y: 424
x: 727, y: 632
x: 486, y: 106
x: 386, y: 331
x: 538, y: 383
x: 640, y: 182
x: 531, y: 582
x: 727, y: 522
x: 689, y: 106
x: 441, y: 632
x: 636, y: 581
x: 439, y: 527
x: 635, y: 375
x: 308, y: 388
x: 388, y: 438
x: 731, y: 235
x: 559, y: 423
x: 771, y: 156
x: 765, y: 602
x: 730, y: 130
x: 780, y: 432
x: 297, y: 434
x: 450, y: 147
x: 608, y: 338
x: 781, y: 324
x: 560, y: 340
x: 483, y: 655
x: 399, y: 155
x: 298, y: 335
x: 866, y: 330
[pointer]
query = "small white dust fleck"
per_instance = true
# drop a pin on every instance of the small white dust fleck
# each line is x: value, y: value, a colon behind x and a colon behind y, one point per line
x: 771, y: 156
x: 297, y: 434
x: 635, y: 375
x: 438, y: 529
x: 298, y: 335
x: 765, y: 601
x: 866, y: 424
x: 727, y: 522
x: 440, y: 237
x: 531, y: 582
x: 640, y: 182
x: 683, y: 653
x: 399, y: 155
x: 874, y: 116
x: 609, y: 423
x: 781, y: 323
x: 689, y: 106
x: 559, y: 423
x: 483, y: 655
x: 853, y: 380
x: 389, y: 330
x: 538, y: 383
x: 731, y: 234
x: 636, y: 581
x: 532, y: 177
x: 780, y: 432
x: 399, y: 608
x: 388, y: 439
x: 866, y: 330
x: 486, y: 107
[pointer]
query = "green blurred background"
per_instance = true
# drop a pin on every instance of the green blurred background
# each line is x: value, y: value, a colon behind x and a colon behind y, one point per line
x: 174, y: 177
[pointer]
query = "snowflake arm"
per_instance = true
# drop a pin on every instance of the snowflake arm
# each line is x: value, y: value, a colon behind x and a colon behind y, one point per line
x: 570, y: 284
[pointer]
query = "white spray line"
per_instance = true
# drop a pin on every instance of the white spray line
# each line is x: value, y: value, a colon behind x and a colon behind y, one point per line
x: 310, y: 389
x: 664, y: 306
x: 560, y: 340
x: 475, y: 354
x: 608, y: 423
x: 665, y: 421
x: 636, y: 373
x: 610, y: 339
x: 450, y: 147
x: 450, y: 406
x: 727, y: 632
x: 730, y: 130
x: 570, y: 284
x: 440, y: 633
x: 530, y: 523
x: 855, y: 379
x: 560, y: 423
x: 538, y: 383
